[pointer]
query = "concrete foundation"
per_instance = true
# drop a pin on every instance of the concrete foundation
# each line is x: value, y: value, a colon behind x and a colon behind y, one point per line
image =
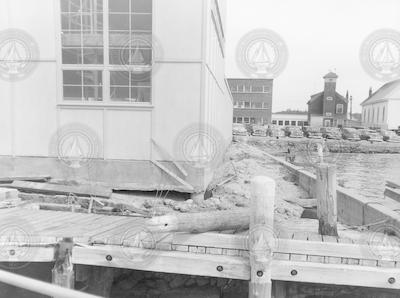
x: 118, y: 174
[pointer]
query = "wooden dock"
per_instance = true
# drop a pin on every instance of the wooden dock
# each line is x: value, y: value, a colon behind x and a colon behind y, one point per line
x: 102, y: 240
x: 296, y: 250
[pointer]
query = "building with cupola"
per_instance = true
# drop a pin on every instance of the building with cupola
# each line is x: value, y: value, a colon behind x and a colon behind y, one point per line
x: 328, y: 108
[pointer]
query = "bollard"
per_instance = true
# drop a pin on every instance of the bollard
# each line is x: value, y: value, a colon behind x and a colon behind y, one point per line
x: 326, y: 199
x: 260, y: 236
x: 63, y: 272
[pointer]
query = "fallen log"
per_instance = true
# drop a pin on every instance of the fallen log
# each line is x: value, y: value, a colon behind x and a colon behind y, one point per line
x: 237, y: 219
x: 49, y: 188
x: 234, y: 221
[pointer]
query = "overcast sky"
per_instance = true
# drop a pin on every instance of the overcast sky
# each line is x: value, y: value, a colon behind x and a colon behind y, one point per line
x: 321, y: 35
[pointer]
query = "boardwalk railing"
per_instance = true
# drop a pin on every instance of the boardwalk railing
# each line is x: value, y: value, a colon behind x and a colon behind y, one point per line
x: 40, y: 287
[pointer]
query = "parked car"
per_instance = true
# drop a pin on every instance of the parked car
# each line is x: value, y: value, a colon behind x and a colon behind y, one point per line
x: 370, y: 135
x: 239, y: 130
x: 350, y: 134
x: 331, y: 133
x: 259, y: 130
x: 312, y: 132
x: 275, y: 131
x: 293, y: 132
x: 389, y: 135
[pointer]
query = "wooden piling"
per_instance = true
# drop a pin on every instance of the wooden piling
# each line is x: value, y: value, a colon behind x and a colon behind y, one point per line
x: 326, y: 199
x: 261, y: 236
x: 63, y: 272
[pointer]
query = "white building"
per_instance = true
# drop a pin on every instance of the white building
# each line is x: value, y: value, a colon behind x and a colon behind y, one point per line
x: 134, y: 73
x: 292, y: 118
x: 382, y: 108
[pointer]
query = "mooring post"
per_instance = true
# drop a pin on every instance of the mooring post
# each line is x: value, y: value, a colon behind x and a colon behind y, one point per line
x: 63, y: 271
x: 326, y: 199
x: 261, y: 236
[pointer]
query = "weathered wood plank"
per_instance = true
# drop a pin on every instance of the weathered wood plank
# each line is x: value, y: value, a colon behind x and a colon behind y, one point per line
x: 392, y: 193
x: 238, y: 268
x: 49, y: 188
x: 164, y: 261
x: 337, y: 274
x: 312, y: 258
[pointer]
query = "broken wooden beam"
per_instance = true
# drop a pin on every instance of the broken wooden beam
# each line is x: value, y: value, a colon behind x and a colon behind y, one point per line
x: 173, y: 175
x: 61, y: 207
x: 169, y: 157
x: 49, y: 188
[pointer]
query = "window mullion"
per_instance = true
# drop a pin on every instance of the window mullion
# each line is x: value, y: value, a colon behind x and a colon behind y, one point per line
x: 106, y: 45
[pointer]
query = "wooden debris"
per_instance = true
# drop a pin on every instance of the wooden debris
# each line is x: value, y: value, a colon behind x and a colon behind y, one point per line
x: 173, y: 175
x: 202, y: 221
x: 99, y: 204
x: 61, y: 207
x: 43, y: 178
x: 48, y: 188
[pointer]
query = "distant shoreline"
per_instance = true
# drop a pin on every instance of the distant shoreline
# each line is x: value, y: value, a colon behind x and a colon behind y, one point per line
x: 281, y: 145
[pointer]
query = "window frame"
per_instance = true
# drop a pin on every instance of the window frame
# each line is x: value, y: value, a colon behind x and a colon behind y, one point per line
x: 106, y: 68
x: 340, y: 105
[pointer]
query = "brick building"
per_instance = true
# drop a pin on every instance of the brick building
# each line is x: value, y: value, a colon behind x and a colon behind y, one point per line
x: 328, y: 108
x: 252, y: 100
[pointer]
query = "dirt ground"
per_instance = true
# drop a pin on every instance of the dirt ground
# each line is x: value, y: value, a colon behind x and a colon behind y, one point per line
x: 230, y: 187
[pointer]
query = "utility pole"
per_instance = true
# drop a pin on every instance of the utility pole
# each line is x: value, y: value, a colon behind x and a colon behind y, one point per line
x: 351, y: 107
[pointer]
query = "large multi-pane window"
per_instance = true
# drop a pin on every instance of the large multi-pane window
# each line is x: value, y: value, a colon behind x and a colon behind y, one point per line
x: 107, y: 55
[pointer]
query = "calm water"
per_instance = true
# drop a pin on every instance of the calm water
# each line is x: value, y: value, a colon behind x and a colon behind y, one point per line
x: 366, y: 173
